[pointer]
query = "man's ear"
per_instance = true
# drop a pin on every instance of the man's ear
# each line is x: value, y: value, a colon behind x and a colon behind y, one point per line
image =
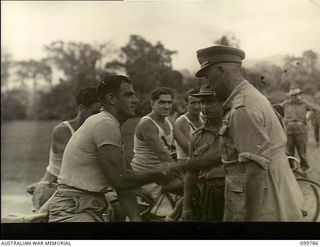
x: 221, y: 69
x: 110, y: 98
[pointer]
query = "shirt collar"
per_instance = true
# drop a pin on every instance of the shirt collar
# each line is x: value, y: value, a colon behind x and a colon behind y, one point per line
x: 206, y: 127
x: 104, y: 111
x: 228, y: 102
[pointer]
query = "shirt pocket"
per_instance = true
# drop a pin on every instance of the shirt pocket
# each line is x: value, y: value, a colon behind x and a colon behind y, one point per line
x: 235, y: 197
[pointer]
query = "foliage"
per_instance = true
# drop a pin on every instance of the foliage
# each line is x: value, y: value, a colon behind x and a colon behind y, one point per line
x: 148, y: 66
x: 32, y: 69
x: 228, y: 39
x: 303, y: 71
x: 58, y: 103
x: 6, y: 63
x: 81, y: 63
x: 13, y: 105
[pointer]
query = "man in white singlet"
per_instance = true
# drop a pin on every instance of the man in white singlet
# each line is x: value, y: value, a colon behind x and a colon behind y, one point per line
x: 88, y: 104
x: 187, y: 124
x: 94, y: 160
x: 154, y: 136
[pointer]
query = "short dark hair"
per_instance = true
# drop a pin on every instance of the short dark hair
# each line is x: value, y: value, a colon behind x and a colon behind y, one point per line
x: 155, y: 94
x: 110, y: 84
x: 189, y: 92
x: 87, y: 96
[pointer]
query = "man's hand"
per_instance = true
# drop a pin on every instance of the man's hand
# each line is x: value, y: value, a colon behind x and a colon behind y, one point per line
x: 41, y: 192
x: 167, y: 174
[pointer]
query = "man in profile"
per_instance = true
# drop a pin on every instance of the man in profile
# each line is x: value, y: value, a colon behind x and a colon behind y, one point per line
x: 93, y: 160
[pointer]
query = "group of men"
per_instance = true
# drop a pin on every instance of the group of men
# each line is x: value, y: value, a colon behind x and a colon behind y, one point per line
x: 235, y: 151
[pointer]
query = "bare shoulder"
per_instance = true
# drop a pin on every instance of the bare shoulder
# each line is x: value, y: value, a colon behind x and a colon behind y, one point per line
x: 61, y: 132
x: 146, y: 127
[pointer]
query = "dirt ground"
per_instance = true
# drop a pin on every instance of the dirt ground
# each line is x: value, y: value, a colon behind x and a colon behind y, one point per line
x: 25, y: 151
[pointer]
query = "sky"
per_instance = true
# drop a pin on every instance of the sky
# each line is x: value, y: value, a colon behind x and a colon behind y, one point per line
x: 264, y: 27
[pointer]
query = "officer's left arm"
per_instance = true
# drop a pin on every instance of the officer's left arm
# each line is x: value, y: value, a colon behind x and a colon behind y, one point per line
x: 253, y: 145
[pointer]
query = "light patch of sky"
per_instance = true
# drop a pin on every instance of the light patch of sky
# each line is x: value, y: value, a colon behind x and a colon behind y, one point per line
x: 264, y: 27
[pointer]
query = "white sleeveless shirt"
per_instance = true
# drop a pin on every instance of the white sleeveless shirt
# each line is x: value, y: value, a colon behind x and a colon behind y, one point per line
x: 55, y: 160
x: 181, y: 155
x: 144, y: 157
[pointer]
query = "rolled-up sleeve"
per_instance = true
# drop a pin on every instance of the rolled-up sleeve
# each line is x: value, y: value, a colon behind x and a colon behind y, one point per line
x: 251, y: 138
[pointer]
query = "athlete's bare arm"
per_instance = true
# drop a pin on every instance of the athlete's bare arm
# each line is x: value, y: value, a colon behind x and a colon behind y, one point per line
x: 148, y: 132
x: 182, y: 134
x: 59, y: 140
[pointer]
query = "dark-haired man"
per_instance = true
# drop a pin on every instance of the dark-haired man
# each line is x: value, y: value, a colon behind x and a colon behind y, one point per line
x: 154, y: 136
x: 211, y: 180
x: 93, y: 160
x: 88, y: 104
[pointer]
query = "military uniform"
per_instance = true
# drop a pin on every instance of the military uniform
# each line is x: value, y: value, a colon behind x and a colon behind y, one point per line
x: 252, y: 133
x: 212, y: 181
x: 316, y: 120
x: 296, y: 128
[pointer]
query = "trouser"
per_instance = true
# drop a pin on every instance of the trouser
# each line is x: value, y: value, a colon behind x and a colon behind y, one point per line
x: 72, y: 205
x: 298, y: 141
x: 212, y: 199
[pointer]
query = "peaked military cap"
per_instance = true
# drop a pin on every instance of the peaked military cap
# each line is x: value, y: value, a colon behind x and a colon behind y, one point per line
x: 205, y: 90
x: 218, y: 54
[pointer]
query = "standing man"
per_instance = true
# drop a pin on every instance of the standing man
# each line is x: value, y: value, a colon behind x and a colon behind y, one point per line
x: 93, y: 160
x: 154, y: 136
x: 316, y: 120
x: 295, y: 111
x: 211, y: 179
x: 88, y: 104
x: 187, y: 124
x: 260, y: 185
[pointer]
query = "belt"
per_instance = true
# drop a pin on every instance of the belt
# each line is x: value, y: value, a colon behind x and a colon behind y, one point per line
x: 234, y: 168
x: 70, y: 189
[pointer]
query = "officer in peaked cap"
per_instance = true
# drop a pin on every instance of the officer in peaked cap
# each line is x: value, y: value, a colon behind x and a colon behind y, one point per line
x: 252, y: 144
x: 218, y: 54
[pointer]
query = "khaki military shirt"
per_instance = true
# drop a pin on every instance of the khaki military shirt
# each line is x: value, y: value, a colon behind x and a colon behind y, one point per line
x: 251, y: 128
x: 204, y: 141
x: 295, y: 115
x: 296, y: 111
x: 252, y: 132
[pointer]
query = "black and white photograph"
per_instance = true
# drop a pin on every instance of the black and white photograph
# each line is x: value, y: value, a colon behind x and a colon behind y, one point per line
x: 168, y: 113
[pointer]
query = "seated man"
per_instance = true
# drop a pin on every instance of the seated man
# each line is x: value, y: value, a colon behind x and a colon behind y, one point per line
x: 211, y: 179
x: 93, y: 161
x: 88, y: 104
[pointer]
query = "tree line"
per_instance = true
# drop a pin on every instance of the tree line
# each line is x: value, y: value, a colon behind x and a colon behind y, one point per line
x: 148, y: 65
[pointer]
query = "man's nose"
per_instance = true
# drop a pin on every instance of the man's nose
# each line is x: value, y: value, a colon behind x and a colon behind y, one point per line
x: 135, y: 99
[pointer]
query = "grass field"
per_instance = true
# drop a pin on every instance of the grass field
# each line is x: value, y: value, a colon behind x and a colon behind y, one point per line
x: 25, y: 151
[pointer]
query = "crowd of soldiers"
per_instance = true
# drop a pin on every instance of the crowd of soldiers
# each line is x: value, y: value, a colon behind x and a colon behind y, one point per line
x: 231, y: 143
